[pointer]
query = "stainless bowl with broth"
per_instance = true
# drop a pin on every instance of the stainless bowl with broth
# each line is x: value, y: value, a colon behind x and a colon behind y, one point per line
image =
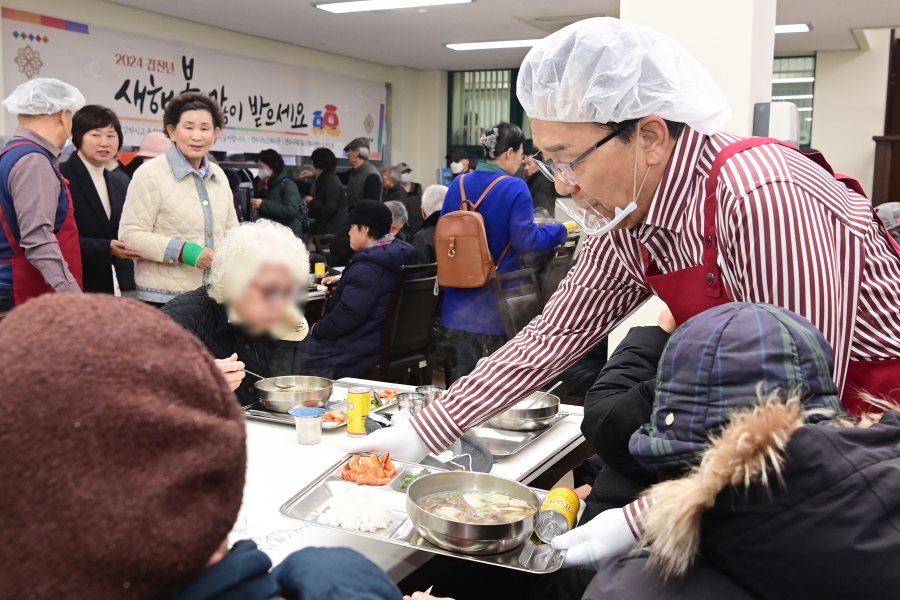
x: 310, y: 392
x: 519, y: 418
x: 470, y: 538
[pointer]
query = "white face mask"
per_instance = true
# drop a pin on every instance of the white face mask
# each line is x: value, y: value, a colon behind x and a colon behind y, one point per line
x: 405, y: 177
x: 456, y: 167
x: 263, y: 173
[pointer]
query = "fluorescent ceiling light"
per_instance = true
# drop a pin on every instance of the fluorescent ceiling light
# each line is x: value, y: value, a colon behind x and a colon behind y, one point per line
x: 794, y: 28
x: 805, y: 109
x: 494, y: 45
x: 794, y: 80
x: 808, y: 119
x: 367, y: 5
x: 795, y: 97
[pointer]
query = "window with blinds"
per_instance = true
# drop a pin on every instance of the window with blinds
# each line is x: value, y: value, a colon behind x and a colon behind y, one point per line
x: 478, y: 100
x: 793, y: 80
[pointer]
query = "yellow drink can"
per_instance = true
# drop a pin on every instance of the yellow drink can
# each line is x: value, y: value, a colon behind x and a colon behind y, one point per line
x: 558, y: 514
x: 359, y: 403
x: 320, y: 268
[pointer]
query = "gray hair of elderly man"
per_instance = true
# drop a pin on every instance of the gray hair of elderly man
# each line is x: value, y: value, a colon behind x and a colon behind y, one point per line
x: 391, y: 172
x: 433, y: 199
x: 399, y: 214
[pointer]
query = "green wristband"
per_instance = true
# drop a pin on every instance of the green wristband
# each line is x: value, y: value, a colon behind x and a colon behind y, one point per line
x: 191, y: 252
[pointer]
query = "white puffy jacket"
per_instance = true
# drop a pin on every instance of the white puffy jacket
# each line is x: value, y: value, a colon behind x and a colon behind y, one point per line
x: 168, y: 204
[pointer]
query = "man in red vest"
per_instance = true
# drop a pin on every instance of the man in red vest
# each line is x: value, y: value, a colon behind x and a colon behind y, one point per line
x: 39, y: 249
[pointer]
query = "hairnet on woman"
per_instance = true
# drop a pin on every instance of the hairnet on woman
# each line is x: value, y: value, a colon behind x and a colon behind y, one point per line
x: 248, y: 314
x: 628, y: 125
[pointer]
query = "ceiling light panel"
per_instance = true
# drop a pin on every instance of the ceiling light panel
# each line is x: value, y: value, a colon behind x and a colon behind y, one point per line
x: 369, y: 5
x: 792, y: 28
x: 494, y: 45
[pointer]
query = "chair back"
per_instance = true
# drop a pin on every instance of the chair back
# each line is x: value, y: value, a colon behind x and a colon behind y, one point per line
x: 556, y: 271
x: 519, y: 297
x: 411, y: 313
x: 322, y: 245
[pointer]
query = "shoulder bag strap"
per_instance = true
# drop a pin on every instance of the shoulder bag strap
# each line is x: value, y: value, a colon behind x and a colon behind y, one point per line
x: 483, y: 196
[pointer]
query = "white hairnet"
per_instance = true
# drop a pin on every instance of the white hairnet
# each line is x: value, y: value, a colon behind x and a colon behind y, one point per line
x: 44, y: 96
x: 606, y: 70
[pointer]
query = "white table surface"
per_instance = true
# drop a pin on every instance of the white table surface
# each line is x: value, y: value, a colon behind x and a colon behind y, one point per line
x: 278, y: 467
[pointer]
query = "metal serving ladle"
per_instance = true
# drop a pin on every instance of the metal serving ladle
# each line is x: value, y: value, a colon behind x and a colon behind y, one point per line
x: 542, y: 396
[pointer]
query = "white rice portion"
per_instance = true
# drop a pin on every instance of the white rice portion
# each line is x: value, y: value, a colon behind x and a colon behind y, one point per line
x: 358, y: 510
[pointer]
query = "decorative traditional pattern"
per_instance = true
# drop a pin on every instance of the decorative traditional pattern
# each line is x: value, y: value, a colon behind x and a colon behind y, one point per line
x: 30, y: 36
x: 368, y: 124
x: 29, y: 62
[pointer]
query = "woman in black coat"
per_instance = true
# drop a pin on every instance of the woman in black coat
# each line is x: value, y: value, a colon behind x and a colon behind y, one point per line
x: 328, y: 191
x: 248, y: 316
x: 98, y: 196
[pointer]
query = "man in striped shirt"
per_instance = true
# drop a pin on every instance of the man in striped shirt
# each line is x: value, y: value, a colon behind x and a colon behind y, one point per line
x: 777, y: 228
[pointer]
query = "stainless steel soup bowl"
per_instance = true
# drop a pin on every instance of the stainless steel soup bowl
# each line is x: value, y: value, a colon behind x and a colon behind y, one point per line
x: 527, y: 419
x: 282, y: 401
x: 469, y: 538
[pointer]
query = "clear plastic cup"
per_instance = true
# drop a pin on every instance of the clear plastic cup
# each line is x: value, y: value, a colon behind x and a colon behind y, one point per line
x: 309, y: 424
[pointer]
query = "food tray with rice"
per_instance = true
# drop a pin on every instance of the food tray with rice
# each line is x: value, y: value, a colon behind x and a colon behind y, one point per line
x: 336, y: 415
x: 383, y: 508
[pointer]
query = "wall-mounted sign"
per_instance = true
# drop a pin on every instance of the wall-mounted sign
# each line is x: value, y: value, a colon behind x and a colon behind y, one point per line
x: 267, y: 105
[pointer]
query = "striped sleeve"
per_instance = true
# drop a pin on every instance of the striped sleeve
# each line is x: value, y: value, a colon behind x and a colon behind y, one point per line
x: 780, y: 246
x: 635, y: 516
x: 594, y: 297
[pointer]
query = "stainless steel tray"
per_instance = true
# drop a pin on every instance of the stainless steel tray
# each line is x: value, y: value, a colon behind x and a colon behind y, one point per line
x: 306, y: 507
x: 504, y: 442
x: 258, y: 412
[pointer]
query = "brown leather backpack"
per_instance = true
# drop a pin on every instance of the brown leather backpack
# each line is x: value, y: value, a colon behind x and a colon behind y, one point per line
x: 460, y: 242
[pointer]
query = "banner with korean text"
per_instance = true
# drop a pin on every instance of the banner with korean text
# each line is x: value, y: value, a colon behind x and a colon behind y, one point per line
x: 292, y: 109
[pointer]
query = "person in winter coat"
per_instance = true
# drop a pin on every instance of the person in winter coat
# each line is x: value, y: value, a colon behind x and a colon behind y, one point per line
x: 543, y: 192
x: 423, y: 239
x: 179, y: 205
x: 279, y: 199
x: 346, y: 342
x: 472, y: 316
x: 399, y: 220
x: 328, y: 191
x: 148, y: 458
x: 98, y: 197
x: 248, y: 314
x: 748, y: 431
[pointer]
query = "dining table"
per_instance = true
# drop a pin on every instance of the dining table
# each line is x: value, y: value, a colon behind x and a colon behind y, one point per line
x: 278, y: 467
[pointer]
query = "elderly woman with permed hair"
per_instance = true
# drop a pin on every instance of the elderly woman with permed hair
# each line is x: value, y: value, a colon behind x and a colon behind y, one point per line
x: 248, y: 313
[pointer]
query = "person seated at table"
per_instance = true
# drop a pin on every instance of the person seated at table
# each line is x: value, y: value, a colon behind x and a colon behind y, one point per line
x: 128, y: 476
x: 346, y: 342
x: 248, y: 314
x: 423, y: 240
x: 748, y: 433
x: 399, y: 220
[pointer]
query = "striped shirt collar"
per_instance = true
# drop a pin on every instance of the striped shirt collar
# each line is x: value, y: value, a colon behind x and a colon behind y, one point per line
x: 674, y: 189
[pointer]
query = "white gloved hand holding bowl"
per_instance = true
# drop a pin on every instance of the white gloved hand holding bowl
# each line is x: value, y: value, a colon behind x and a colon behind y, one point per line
x: 401, y: 441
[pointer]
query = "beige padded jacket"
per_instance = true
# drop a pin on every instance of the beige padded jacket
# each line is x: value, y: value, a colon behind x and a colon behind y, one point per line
x: 168, y: 204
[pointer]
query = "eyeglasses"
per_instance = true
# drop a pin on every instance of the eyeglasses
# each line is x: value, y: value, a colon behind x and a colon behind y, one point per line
x: 563, y: 170
x: 273, y: 293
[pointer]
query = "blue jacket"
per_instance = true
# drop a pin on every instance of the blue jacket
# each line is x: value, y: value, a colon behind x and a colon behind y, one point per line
x: 347, y: 340
x: 508, y: 216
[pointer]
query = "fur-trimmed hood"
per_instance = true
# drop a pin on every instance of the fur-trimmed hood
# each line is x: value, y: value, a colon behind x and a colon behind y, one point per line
x: 788, y: 510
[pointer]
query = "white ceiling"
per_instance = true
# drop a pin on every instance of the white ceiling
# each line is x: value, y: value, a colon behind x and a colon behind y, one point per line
x: 416, y: 39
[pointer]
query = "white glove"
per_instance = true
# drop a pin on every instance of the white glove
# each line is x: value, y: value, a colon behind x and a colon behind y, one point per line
x: 401, y: 441
x: 606, y: 536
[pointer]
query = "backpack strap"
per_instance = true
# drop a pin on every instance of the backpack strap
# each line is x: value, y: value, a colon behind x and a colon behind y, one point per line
x: 467, y: 205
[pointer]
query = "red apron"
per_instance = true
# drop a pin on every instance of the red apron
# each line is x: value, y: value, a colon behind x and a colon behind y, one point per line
x: 691, y: 291
x: 28, y: 281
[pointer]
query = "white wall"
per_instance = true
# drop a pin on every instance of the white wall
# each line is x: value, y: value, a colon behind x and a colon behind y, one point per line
x: 849, y: 105
x: 419, y: 116
x: 733, y: 39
